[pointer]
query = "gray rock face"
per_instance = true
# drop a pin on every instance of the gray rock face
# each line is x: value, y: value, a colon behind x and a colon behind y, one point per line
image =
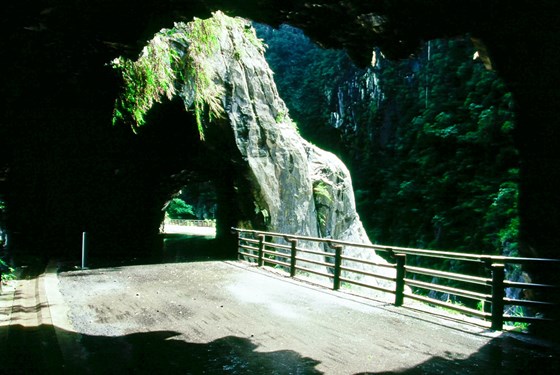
x: 293, y: 186
x: 298, y: 188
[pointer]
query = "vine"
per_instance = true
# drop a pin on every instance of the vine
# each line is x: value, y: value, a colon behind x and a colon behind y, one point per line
x: 178, y: 61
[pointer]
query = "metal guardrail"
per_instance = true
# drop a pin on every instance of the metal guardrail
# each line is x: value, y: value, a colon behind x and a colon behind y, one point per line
x: 191, y: 223
x: 487, y: 286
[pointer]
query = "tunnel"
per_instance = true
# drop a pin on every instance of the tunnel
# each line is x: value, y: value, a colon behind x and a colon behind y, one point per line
x: 67, y: 170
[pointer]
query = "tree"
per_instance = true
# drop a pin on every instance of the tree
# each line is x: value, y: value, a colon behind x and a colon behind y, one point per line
x: 179, y: 209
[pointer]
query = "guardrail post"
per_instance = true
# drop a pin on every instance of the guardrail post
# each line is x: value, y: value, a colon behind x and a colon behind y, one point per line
x: 399, y: 283
x: 238, y: 235
x: 337, y: 265
x: 497, y: 296
x: 261, y: 249
x: 84, y: 249
x: 293, y: 257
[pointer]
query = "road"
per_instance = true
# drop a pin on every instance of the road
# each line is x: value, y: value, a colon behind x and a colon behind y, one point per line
x: 213, y: 317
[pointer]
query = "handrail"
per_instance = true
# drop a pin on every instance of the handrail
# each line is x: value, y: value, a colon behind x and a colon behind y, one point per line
x: 408, y: 250
x: 191, y: 222
x: 260, y: 247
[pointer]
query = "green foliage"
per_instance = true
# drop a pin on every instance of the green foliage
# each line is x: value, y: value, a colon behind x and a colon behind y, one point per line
x: 146, y: 81
x: 321, y: 190
x: 429, y: 140
x: 306, y: 77
x: 178, y: 61
x: 179, y: 209
x: 202, y: 44
x: 450, y: 170
x: 7, y: 275
x: 323, y: 199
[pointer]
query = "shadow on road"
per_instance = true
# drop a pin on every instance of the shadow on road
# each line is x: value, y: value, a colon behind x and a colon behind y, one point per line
x: 175, y: 248
x: 33, y: 350
x: 160, y: 352
x: 502, y: 355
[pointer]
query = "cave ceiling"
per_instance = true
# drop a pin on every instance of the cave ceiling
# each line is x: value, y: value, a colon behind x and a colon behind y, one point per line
x: 396, y: 26
x: 58, y: 84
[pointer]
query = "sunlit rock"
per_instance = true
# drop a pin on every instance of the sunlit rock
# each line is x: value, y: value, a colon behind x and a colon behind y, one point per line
x: 294, y: 187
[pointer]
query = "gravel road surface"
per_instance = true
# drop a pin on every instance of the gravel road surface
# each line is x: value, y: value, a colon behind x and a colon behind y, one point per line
x: 212, y: 317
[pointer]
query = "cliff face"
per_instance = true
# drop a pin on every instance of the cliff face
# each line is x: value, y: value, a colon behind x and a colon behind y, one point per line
x: 428, y: 139
x: 281, y: 183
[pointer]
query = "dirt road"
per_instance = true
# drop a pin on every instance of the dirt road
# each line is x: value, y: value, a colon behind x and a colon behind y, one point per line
x: 221, y: 317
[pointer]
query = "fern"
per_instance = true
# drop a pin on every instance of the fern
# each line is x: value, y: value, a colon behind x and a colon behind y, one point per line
x: 178, y: 61
x: 321, y: 189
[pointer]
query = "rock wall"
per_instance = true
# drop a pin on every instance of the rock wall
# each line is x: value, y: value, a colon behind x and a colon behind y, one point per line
x: 284, y: 169
x: 290, y: 185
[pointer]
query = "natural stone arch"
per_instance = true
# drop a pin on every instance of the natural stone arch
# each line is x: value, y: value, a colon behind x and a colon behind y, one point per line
x: 272, y: 179
x: 62, y: 46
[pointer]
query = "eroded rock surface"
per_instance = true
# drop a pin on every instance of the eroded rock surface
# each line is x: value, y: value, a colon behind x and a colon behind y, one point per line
x: 294, y: 187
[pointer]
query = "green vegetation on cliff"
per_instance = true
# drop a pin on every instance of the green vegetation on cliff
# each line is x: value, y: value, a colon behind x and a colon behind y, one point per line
x: 428, y: 139
x: 306, y: 77
x: 177, y: 61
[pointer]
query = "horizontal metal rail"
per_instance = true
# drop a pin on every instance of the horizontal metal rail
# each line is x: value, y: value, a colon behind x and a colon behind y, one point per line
x: 250, y: 240
x: 365, y: 285
x: 276, y: 254
x: 526, y: 319
x: 246, y: 247
x: 315, y: 272
x: 334, y: 263
x: 448, y: 289
x: 276, y: 245
x: 462, y: 309
x: 511, y: 284
x: 249, y: 255
x: 314, y: 252
x: 527, y: 303
x: 449, y: 275
x: 366, y: 273
x: 277, y: 262
x: 316, y: 262
x: 191, y: 223
x: 365, y: 261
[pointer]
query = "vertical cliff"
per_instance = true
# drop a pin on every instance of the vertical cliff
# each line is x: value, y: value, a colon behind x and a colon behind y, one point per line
x: 280, y: 181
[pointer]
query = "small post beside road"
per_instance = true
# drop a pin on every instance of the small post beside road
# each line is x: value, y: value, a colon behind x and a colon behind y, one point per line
x: 337, y: 265
x: 261, y: 249
x: 498, y: 273
x: 293, y: 257
x: 84, y: 249
x: 399, y: 283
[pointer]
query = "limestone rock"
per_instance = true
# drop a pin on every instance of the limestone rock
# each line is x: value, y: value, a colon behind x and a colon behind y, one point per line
x: 294, y: 187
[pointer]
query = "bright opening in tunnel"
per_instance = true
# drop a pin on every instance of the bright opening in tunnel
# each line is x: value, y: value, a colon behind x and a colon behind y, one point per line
x: 193, y: 188
x: 192, y: 211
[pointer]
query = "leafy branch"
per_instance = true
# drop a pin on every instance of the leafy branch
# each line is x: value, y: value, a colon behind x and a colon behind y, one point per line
x: 178, y: 61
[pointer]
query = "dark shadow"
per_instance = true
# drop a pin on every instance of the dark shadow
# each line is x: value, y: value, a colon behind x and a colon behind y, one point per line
x: 28, y: 266
x: 29, y: 350
x: 17, y: 309
x: 187, y: 248
x: 34, y: 351
x: 503, y: 355
x: 176, y: 248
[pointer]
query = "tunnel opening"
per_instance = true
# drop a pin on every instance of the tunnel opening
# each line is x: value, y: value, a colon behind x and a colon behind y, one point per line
x: 184, y: 168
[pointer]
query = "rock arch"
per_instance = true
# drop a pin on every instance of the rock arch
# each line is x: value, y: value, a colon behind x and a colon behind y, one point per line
x: 58, y: 94
x: 278, y: 182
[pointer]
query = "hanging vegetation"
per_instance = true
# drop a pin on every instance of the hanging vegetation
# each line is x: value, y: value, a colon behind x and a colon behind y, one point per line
x: 178, y: 61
